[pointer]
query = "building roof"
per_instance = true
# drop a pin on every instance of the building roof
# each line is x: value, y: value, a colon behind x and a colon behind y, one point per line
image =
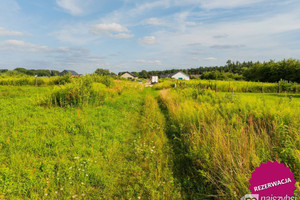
x: 171, y: 75
x: 65, y: 72
x: 132, y: 74
x: 167, y: 75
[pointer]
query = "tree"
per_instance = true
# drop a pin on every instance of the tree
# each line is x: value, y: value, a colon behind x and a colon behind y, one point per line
x: 143, y: 74
x: 101, y: 71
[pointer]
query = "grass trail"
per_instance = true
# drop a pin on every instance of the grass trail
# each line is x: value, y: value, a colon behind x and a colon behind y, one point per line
x: 219, y: 138
x: 113, y: 151
x: 192, y: 184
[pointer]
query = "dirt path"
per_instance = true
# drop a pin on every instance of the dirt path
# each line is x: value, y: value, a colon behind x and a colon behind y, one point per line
x: 148, y: 84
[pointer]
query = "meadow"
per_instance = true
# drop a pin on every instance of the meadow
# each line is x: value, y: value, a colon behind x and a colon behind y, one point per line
x: 232, y: 86
x: 99, y: 138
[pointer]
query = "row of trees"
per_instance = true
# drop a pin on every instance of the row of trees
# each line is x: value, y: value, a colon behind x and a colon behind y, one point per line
x: 251, y: 71
x: 104, y: 72
x: 33, y: 72
x: 38, y: 72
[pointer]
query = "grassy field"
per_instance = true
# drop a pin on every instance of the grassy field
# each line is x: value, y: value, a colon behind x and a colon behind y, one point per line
x: 231, y: 86
x: 95, y: 138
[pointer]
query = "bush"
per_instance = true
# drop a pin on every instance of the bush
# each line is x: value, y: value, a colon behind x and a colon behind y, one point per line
x: 61, y: 80
x: 78, y: 93
x: 108, y: 81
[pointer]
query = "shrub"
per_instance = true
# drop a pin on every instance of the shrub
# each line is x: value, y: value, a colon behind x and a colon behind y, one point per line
x: 78, y: 93
x: 106, y: 80
x: 60, y: 80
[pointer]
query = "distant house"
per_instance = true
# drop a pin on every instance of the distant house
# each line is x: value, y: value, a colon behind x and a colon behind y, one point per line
x: 178, y: 75
x: 129, y: 75
x: 154, y: 79
x: 193, y: 76
x: 71, y: 72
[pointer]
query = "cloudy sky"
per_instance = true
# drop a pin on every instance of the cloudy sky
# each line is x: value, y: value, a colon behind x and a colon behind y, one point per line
x: 131, y: 35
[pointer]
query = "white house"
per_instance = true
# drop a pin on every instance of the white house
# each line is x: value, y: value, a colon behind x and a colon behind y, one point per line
x: 178, y: 75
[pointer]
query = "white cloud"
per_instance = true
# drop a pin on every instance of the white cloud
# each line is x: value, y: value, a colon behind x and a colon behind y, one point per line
x: 214, y: 4
x: 23, y: 53
x: 148, y: 40
x: 113, y: 30
x: 142, y: 8
x: 151, y: 62
x: 78, y: 34
x: 70, y: 6
x: 108, y: 28
x: 5, y: 32
x: 154, y: 21
x: 78, y: 7
x: 210, y: 59
x: 19, y: 45
x: 123, y: 36
x: 190, y: 23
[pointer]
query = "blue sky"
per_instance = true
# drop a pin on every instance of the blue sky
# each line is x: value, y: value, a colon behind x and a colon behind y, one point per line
x: 130, y: 35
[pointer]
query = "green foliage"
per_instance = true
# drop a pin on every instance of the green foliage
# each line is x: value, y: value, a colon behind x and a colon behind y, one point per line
x: 231, y: 86
x: 103, y: 72
x: 3, y: 70
x: 114, y: 151
x: 38, y: 72
x: 264, y: 72
x: 106, y: 80
x: 61, y: 80
x: 78, y: 93
x: 116, y: 141
x: 216, y: 75
x: 224, y: 136
x: 274, y: 71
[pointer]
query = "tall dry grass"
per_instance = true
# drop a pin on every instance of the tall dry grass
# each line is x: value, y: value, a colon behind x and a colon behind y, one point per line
x: 226, y: 136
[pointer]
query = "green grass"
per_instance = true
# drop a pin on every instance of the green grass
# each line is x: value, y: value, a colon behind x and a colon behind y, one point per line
x: 96, y: 138
x: 231, y: 86
x: 95, y: 152
x: 224, y: 136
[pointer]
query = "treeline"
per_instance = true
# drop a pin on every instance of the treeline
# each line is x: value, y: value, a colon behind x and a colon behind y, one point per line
x: 250, y: 71
x: 33, y: 72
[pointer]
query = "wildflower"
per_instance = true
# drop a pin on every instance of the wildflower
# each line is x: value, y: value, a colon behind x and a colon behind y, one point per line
x: 55, y: 192
x: 87, y: 175
x: 61, y: 188
x: 74, y: 196
x: 46, y: 194
x: 70, y: 167
x: 82, y: 195
x: 76, y: 158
